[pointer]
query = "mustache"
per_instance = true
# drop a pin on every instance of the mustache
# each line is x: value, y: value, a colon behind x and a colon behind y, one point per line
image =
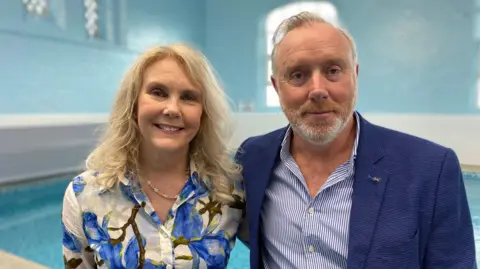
x: 318, y: 108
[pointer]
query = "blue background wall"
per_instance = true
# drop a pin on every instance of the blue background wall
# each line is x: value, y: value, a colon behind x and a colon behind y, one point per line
x: 50, y: 65
x: 424, y: 52
x: 415, y: 56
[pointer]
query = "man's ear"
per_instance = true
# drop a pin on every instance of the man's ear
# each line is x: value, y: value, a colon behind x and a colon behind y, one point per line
x: 274, y: 83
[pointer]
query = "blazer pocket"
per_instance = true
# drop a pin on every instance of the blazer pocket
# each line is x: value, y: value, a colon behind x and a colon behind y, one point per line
x: 407, y: 247
x: 399, y: 255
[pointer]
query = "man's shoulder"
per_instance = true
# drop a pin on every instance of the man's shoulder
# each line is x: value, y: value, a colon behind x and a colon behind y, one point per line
x: 259, y: 145
x: 411, y: 145
x: 412, y: 154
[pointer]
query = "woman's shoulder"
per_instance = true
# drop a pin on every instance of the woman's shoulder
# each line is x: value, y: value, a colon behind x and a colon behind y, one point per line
x: 86, y: 192
x: 85, y: 184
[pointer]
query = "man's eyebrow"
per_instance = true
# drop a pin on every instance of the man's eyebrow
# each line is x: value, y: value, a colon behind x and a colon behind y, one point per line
x: 289, y: 64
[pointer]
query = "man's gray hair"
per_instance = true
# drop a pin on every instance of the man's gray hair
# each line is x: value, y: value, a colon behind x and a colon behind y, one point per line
x: 299, y: 20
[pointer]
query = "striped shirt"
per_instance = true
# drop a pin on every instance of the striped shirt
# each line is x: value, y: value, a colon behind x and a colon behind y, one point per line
x: 304, y: 232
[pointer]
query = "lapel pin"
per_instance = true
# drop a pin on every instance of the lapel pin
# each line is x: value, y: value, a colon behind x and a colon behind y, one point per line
x: 375, y: 179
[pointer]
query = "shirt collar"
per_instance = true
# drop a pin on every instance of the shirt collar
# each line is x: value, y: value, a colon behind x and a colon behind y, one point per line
x: 130, y: 177
x: 131, y: 188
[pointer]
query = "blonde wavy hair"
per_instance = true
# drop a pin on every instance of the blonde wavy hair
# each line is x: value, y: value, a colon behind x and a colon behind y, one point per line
x: 118, y: 152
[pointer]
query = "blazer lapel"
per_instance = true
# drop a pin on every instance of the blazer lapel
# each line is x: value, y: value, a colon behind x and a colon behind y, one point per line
x: 261, y: 163
x: 368, y: 191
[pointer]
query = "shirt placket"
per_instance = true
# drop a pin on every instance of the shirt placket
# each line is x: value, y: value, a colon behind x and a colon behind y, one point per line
x: 167, y: 228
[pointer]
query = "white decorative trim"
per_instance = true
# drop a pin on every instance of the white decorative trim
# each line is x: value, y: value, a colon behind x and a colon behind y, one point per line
x: 36, y: 7
x: 8, y: 121
x: 91, y: 17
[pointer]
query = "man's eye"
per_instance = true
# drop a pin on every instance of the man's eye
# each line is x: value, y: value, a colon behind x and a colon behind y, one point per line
x: 296, y: 75
x: 333, y: 71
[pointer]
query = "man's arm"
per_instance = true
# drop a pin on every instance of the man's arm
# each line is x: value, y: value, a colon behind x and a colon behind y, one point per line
x: 451, y: 243
x: 243, y: 232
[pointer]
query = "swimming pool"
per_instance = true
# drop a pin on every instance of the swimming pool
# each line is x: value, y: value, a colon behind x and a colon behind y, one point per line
x: 30, y: 221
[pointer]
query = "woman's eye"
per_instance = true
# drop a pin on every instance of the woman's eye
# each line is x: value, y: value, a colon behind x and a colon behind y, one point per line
x: 189, y: 97
x: 159, y: 92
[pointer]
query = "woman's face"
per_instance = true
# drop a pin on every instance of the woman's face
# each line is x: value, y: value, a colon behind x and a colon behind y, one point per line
x: 169, y: 108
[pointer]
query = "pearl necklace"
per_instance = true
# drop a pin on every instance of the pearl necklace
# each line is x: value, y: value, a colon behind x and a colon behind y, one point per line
x: 164, y: 195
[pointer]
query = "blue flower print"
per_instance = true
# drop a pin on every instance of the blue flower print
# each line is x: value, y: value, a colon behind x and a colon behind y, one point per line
x: 122, y: 230
x: 150, y: 264
x: 133, y: 193
x: 78, y: 184
x: 188, y: 222
x: 239, y: 185
x: 155, y: 218
x: 195, y: 185
x: 70, y: 241
x: 100, y: 240
x: 214, y: 249
x: 133, y: 252
x: 211, y: 247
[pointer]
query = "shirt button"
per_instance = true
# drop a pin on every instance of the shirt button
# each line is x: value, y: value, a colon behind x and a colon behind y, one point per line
x: 311, y: 211
x: 311, y: 249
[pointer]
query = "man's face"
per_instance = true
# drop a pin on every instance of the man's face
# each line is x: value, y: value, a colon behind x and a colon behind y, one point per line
x: 316, y: 80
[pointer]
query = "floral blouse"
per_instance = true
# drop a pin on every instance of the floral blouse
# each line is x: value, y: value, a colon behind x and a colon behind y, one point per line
x: 118, y: 228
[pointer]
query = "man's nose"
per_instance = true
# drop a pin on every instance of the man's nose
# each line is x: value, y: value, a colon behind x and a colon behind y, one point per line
x: 318, y: 87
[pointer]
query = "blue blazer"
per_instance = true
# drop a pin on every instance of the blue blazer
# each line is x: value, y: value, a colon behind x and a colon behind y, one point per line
x: 416, y: 216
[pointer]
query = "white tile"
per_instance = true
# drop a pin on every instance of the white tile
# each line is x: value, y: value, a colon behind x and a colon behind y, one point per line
x: 10, y: 261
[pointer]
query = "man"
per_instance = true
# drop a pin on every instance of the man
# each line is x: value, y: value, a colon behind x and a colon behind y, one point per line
x: 332, y: 190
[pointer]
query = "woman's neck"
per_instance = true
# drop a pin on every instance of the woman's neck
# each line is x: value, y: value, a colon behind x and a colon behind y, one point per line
x: 163, y: 165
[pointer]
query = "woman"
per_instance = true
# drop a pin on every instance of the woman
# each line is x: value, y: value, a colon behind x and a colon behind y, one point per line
x: 161, y: 190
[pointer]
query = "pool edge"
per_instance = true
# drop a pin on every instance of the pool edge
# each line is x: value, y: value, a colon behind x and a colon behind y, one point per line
x: 10, y: 261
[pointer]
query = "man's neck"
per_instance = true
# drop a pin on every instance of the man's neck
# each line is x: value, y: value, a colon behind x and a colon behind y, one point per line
x: 340, y: 147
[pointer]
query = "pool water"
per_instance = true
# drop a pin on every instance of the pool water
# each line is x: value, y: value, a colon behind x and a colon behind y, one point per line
x: 30, y: 221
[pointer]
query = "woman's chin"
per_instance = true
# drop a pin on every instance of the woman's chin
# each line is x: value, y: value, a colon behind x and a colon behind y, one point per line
x: 169, y: 145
